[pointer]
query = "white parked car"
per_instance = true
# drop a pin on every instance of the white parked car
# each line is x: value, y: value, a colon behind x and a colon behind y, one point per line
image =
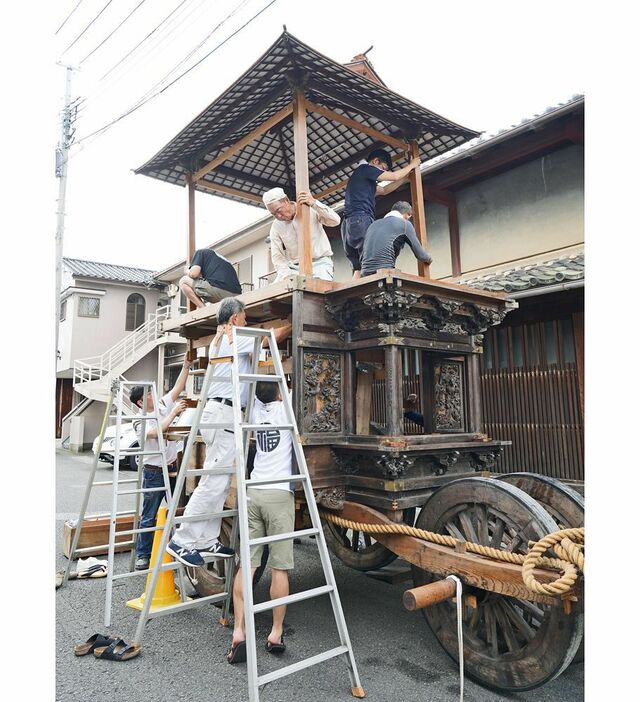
x: 128, y: 440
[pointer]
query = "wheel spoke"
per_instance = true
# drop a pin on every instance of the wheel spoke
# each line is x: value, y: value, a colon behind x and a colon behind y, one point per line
x: 355, y: 540
x: 483, y: 524
x: 467, y: 527
x: 498, y: 534
x: 491, y: 634
x: 507, y: 628
x: 516, y: 617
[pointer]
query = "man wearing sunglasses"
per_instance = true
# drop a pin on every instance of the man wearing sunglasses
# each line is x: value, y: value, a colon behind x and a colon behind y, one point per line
x: 386, y: 237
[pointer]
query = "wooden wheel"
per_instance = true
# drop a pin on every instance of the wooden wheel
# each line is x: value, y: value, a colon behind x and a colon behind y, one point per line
x: 358, y: 550
x: 509, y: 644
x: 563, y: 503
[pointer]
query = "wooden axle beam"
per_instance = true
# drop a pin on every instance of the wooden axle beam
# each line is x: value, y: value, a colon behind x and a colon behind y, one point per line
x: 495, y: 576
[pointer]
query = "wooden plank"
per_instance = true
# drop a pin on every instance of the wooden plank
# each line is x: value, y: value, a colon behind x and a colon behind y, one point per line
x: 364, y: 394
x: 417, y: 202
x: 454, y: 238
x: 216, y: 187
x: 578, y: 341
x: 191, y: 227
x: 357, y: 126
x: 393, y: 378
x: 245, y: 141
x: 303, y: 215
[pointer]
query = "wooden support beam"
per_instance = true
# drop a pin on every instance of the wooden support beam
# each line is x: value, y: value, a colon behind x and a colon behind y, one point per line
x: 357, y: 126
x: 300, y: 146
x: 216, y: 187
x: 251, y: 136
x: 454, y: 238
x: 417, y: 202
x: 191, y: 227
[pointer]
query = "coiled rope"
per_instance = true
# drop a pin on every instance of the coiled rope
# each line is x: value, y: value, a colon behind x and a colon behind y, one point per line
x: 566, y: 543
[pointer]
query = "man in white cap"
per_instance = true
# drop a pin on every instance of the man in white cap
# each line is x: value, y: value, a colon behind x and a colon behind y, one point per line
x: 285, y: 230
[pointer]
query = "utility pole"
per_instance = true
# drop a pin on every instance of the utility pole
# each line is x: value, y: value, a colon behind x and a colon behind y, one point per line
x: 62, y: 156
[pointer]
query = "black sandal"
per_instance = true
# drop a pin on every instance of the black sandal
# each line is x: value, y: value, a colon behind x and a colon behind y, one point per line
x: 237, y: 653
x: 96, y: 641
x: 119, y: 650
x: 276, y: 647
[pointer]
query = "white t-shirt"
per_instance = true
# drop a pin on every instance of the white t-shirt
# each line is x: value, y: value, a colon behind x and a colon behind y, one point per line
x: 171, y: 451
x: 274, y: 447
x: 225, y: 389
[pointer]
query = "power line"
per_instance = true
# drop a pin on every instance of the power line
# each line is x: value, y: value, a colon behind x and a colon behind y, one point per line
x: 68, y: 16
x: 85, y: 29
x: 173, y: 82
x: 126, y: 56
x: 113, y: 32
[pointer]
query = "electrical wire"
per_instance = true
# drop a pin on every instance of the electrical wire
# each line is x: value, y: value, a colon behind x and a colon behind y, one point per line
x: 142, y: 2
x: 85, y: 29
x: 137, y: 106
x: 68, y: 16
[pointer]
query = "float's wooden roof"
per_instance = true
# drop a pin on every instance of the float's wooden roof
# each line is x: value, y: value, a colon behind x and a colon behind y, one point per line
x: 334, y: 148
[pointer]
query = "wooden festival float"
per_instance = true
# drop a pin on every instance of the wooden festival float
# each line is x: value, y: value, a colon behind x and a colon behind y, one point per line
x: 298, y: 120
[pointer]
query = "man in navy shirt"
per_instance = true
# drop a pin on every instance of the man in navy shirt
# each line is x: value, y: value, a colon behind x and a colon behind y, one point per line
x: 360, y: 201
x: 210, y: 278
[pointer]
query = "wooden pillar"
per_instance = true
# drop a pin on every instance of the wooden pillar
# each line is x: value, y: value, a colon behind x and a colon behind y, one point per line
x: 454, y: 238
x: 393, y: 390
x: 473, y: 392
x: 417, y: 202
x: 303, y: 215
x: 191, y: 227
x: 297, y: 354
x: 578, y: 342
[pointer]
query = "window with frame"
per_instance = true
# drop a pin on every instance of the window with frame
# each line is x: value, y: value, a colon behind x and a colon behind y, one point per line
x: 63, y: 310
x: 244, y: 269
x: 135, y: 311
x: 88, y: 306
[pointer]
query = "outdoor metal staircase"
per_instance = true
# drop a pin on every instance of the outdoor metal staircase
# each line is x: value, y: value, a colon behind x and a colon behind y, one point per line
x: 92, y: 377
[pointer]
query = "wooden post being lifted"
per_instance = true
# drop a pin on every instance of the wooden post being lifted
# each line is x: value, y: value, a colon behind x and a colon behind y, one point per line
x: 303, y: 216
x: 191, y: 236
x: 417, y: 202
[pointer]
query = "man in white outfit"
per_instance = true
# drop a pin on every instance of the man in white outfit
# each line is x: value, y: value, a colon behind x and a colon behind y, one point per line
x: 195, y: 539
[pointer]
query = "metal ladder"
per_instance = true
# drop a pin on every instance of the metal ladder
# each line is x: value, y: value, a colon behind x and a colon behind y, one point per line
x: 117, y: 389
x: 242, y: 428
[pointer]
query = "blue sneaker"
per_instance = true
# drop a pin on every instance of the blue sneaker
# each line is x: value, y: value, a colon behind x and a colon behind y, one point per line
x: 217, y: 549
x: 186, y: 556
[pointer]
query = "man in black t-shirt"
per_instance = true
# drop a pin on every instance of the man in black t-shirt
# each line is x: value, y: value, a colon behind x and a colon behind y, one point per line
x: 210, y: 278
x: 360, y: 201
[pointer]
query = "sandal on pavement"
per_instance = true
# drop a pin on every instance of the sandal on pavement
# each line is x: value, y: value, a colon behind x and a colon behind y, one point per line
x: 96, y: 641
x: 276, y: 647
x: 237, y: 653
x: 118, y: 650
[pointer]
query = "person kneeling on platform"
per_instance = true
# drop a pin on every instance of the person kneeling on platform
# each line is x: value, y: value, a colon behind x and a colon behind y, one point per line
x: 386, y: 237
x: 270, y: 511
x: 195, y: 539
x: 210, y: 278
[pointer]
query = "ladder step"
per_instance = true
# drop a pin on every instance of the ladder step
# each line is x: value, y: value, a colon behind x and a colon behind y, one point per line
x: 215, y: 425
x: 296, y: 597
x: 271, y: 481
x: 160, y: 612
x: 140, y: 530
x: 279, y: 537
x: 206, y: 515
x: 174, y: 565
x: 102, y: 483
x: 301, y: 665
x: 260, y: 378
x: 79, y: 551
x: 267, y: 427
x: 127, y: 452
x: 211, y: 471
x: 252, y: 331
x: 140, y: 491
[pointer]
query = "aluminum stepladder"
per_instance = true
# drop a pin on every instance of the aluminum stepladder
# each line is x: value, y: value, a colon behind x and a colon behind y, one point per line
x: 242, y: 428
x: 117, y: 389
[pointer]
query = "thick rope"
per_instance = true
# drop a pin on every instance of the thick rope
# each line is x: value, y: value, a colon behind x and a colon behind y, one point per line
x: 563, y: 542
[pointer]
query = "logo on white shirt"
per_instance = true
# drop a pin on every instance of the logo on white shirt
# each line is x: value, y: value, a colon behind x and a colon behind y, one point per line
x: 268, y: 440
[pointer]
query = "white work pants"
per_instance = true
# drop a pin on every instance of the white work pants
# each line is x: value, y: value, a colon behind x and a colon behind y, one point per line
x: 212, y: 490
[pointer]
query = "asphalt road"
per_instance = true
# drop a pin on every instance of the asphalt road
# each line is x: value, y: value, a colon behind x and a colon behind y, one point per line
x: 183, y: 654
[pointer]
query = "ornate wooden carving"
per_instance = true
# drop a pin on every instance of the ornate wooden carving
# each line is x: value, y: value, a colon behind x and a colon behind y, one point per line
x: 441, y: 463
x: 391, y: 304
x: 322, y: 392
x: 348, y: 464
x: 479, y: 318
x: 331, y: 497
x: 448, y: 398
x: 486, y: 460
x: 394, y: 466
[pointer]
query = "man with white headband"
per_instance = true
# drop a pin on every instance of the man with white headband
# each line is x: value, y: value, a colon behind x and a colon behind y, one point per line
x: 285, y: 231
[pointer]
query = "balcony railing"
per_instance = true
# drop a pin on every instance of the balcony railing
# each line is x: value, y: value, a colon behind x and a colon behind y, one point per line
x: 267, y: 279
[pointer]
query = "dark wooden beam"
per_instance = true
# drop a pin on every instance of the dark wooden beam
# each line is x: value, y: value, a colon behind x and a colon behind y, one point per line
x: 285, y: 158
x: 191, y: 227
x: 417, y: 202
x: 248, y: 177
x: 454, y: 239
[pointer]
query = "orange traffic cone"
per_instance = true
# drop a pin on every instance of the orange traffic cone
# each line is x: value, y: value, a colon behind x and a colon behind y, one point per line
x: 166, y: 593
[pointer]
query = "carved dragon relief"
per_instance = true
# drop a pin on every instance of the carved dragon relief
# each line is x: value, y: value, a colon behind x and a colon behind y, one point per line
x: 486, y: 460
x: 479, y: 318
x: 331, y: 497
x: 322, y: 392
x: 394, y: 466
x: 448, y: 397
x: 441, y: 463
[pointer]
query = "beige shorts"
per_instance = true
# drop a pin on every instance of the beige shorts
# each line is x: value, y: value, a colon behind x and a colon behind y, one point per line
x: 206, y: 291
x: 271, y: 512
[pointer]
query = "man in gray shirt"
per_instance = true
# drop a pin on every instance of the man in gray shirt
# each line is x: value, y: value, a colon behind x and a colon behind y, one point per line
x: 386, y: 237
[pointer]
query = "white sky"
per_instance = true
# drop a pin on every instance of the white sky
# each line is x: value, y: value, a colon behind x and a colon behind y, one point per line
x: 471, y: 63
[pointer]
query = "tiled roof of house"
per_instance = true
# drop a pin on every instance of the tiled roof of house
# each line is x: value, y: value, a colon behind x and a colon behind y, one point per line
x: 553, y: 272
x: 110, y: 271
